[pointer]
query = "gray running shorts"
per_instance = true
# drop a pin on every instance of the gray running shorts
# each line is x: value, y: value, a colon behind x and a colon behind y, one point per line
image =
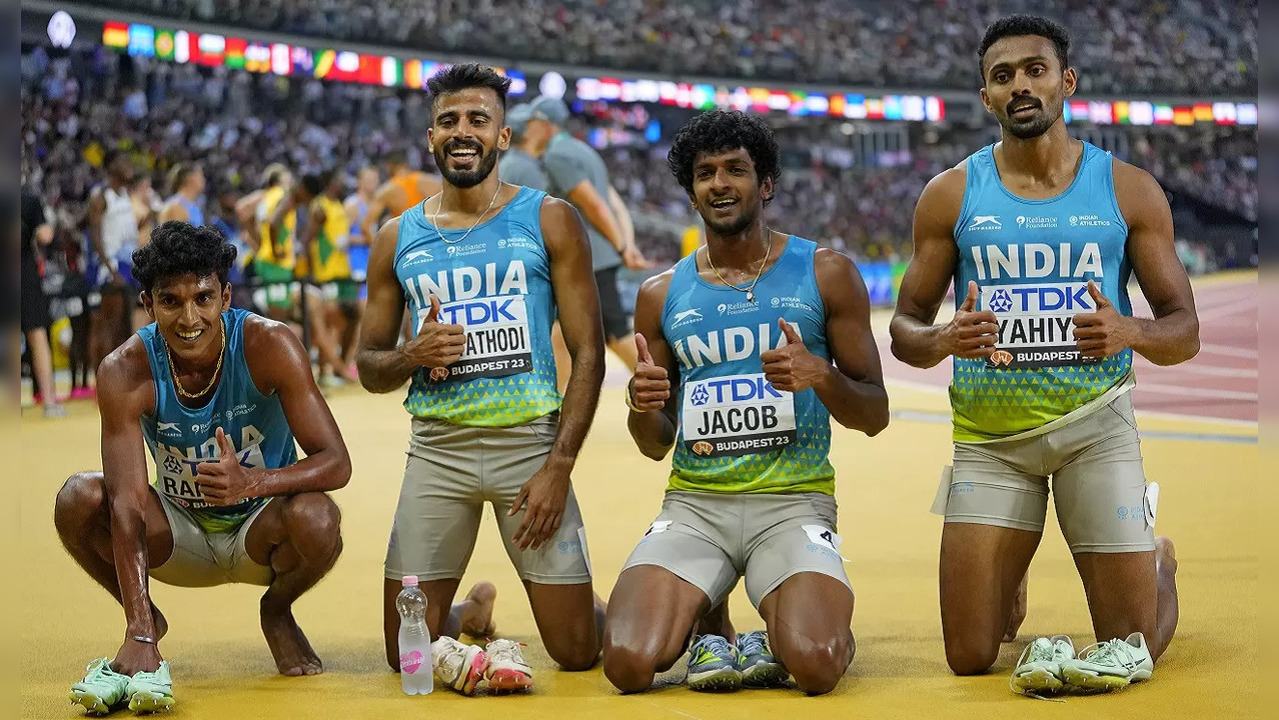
x: 1099, y: 487
x: 205, y: 559
x: 452, y: 470
x: 711, y: 539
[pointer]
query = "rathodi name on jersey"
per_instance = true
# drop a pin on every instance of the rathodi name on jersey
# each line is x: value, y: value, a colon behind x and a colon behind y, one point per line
x: 494, y: 315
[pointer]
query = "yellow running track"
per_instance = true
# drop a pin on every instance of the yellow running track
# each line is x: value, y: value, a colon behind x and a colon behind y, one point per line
x: 222, y: 668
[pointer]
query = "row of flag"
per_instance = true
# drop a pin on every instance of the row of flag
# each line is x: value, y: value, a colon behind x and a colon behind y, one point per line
x: 344, y: 66
x: 282, y: 59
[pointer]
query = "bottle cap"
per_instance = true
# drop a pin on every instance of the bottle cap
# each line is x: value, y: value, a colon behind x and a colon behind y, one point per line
x: 410, y: 581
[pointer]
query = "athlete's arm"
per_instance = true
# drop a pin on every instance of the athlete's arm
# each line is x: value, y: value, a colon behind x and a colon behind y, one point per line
x: 246, y: 212
x: 352, y: 208
x: 577, y: 300
x: 174, y: 210
x: 383, y: 366
x: 596, y: 210
x: 545, y: 495
x: 279, y: 364
x: 853, y: 388
x: 1173, y: 335
x: 654, y: 429
x: 381, y: 201
x: 915, y: 339
x: 97, y: 209
x: 623, y: 214
x: 125, y: 394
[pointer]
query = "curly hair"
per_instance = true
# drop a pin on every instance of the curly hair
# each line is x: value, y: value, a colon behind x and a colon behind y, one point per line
x: 1019, y: 25
x: 720, y: 131
x: 178, y: 248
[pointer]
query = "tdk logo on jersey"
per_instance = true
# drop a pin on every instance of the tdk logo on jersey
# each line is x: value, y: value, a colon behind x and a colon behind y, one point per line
x: 1068, y: 298
x: 481, y: 312
x: 1037, y: 260
x: 985, y: 222
x: 723, y: 391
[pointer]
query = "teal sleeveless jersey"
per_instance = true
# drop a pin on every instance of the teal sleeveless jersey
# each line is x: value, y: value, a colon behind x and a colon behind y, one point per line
x: 495, y: 282
x: 180, y: 437
x: 1032, y: 260
x: 737, y: 434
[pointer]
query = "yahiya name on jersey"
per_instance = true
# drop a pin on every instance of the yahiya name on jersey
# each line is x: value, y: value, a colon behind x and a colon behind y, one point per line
x: 1036, y: 323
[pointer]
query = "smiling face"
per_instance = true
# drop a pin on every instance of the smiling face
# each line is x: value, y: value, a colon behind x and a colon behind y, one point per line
x: 727, y: 192
x: 188, y: 311
x: 467, y: 135
x: 1025, y: 84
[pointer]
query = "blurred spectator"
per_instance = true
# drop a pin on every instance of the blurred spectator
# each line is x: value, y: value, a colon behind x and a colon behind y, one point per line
x: 1142, y: 46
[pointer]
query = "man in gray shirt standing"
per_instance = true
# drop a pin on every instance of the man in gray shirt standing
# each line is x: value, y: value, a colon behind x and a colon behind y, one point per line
x: 577, y: 174
x: 519, y: 166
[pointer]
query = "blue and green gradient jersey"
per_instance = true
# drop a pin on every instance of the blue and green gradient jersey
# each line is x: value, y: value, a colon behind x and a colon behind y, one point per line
x: 1032, y: 260
x: 737, y: 434
x: 180, y: 437
x: 496, y: 283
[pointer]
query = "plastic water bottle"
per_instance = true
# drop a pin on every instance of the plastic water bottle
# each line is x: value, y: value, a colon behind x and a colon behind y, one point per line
x: 417, y: 672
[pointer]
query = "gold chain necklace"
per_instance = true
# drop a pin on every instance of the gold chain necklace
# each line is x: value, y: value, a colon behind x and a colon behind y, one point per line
x: 750, y: 289
x: 173, y: 370
x: 435, y: 217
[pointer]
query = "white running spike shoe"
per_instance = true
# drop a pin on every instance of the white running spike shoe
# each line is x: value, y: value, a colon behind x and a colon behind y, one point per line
x: 1039, y: 669
x: 507, y: 670
x: 1110, y: 665
x: 458, y: 665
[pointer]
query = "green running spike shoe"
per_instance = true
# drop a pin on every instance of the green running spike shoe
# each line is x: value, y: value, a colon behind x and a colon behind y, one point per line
x: 151, y: 691
x: 102, y: 689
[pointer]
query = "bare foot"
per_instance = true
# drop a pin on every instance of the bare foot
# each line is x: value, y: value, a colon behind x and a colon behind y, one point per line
x: 1165, y: 555
x: 290, y: 648
x: 1019, y: 612
x: 717, y: 622
x: 477, y: 610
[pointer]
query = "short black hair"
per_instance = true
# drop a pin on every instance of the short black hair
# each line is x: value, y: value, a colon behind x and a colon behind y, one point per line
x: 720, y: 131
x: 465, y: 76
x: 178, y: 248
x: 1018, y: 25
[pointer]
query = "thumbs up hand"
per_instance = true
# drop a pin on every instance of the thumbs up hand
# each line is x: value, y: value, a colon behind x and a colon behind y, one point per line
x: 971, y: 334
x: 224, y: 482
x: 792, y: 367
x: 1103, y: 332
x: 437, y: 344
x: 650, y: 387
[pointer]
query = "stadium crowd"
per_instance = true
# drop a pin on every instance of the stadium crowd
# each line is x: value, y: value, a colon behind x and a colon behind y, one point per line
x: 78, y: 107
x: 1121, y: 46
